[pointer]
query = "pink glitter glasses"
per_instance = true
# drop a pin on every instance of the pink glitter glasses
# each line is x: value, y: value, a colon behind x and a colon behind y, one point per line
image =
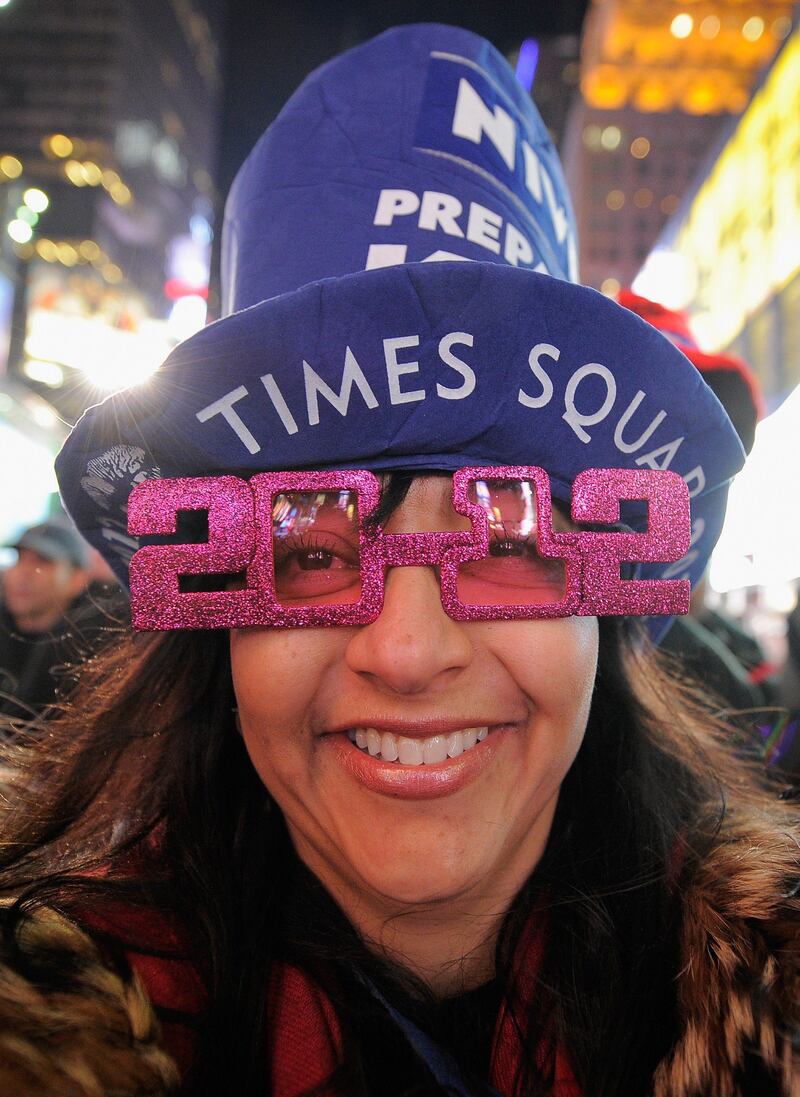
x: 312, y: 558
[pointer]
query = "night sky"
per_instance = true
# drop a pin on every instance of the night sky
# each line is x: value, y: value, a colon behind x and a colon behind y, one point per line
x: 273, y: 44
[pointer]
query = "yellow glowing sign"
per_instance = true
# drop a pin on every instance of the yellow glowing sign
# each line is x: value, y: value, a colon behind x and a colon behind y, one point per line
x: 672, y: 55
x: 742, y: 233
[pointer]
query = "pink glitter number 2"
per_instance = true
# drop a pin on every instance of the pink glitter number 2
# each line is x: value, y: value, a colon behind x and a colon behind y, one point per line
x: 240, y: 537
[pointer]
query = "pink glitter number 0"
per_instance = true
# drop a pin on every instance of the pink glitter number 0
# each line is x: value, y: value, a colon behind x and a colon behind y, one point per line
x: 240, y: 537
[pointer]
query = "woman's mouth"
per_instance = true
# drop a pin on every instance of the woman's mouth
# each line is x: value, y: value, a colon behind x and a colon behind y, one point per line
x: 427, y: 751
x: 406, y: 763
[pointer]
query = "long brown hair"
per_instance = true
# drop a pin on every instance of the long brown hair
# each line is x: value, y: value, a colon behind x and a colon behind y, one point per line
x: 140, y: 791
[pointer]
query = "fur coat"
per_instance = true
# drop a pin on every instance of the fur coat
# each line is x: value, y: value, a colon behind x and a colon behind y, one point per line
x: 71, y: 1026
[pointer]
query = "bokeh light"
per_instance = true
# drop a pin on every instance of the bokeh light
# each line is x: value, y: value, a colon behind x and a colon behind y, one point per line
x: 710, y: 27
x: 36, y: 199
x: 10, y: 166
x: 611, y: 138
x: 753, y: 28
x: 682, y: 25
x: 19, y: 231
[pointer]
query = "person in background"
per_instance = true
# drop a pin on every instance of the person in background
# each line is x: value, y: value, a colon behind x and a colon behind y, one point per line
x: 713, y: 648
x: 43, y: 618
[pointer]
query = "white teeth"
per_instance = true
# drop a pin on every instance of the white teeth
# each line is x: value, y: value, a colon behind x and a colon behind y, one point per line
x: 416, y: 752
x: 470, y: 737
x: 455, y: 744
x: 434, y: 750
x: 388, y: 747
x: 409, y: 751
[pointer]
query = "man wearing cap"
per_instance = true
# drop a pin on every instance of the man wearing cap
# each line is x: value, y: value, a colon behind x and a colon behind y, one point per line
x: 36, y: 633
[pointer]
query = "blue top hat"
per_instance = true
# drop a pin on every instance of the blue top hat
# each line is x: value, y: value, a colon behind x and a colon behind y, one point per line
x: 415, y: 147
x: 398, y: 257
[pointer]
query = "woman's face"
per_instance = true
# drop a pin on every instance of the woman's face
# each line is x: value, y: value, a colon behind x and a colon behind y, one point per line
x: 391, y: 831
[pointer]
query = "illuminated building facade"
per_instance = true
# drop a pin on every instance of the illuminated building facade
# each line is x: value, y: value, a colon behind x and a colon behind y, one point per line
x: 661, y: 82
x: 108, y: 108
x: 731, y: 255
x: 731, y: 258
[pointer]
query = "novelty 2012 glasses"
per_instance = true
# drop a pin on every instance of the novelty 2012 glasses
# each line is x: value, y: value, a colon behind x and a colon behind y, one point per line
x: 312, y: 557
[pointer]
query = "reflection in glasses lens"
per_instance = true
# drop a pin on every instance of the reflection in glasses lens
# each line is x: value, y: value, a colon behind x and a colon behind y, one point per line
x: 513, y: 573
x: 316, y: 549
x: 315, y: 537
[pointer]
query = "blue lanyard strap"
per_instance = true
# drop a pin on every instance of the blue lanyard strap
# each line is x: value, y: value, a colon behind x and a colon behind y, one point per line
x: 439, y: 1062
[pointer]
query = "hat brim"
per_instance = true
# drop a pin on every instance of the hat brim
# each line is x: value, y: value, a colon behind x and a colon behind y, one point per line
x: 433, y: 366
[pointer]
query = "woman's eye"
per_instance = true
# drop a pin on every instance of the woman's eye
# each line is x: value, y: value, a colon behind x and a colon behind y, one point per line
x: 316, y: 567
x: 513, y: 572
x: 314, y: 560
x: 507, y: 546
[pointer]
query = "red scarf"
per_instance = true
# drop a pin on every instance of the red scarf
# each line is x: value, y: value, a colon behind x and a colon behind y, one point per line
x: 305, y: 1037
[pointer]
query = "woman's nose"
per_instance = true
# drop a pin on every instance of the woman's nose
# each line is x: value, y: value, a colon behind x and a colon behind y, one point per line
x: 413, y: 645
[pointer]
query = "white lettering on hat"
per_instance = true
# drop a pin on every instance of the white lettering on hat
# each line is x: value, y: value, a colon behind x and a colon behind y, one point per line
x: 540, y: 185
x: 120, y: 465
x: 224, y: 407
x: 351, y: 375
x: 444, y: 257
x: 576, y: 419
x: 394, y: 255
x: 439, y: 211
x: 534, y: 361
x: 395, y: 203
x: 278, y: 402
x: 631, y: 447
x: 395, y: 370
x: 667, y: 452
x: 125, y: 545
x: 449, y: 359
x: 472, y: 119
x: 680, y: 567
x: 385, y: 255
x: 659, y: 458
x: 516, y: 249
x: 483, y: 227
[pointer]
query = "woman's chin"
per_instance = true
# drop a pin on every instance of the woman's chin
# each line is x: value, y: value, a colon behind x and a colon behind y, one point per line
x: 422, y: 878
x: 416, y: 889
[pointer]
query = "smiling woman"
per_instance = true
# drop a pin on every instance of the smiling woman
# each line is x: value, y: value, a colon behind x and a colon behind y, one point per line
x: 390, y: 793
x: 467, y: 735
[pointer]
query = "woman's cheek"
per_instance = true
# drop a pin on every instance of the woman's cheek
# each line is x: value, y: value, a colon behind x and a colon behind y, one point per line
x: 553, y: 661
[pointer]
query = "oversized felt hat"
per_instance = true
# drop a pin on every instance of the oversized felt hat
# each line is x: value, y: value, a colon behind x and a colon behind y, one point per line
x: 398, y: 256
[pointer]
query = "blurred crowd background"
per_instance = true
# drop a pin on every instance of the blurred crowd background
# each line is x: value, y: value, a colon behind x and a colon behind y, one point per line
x: 123, y: 122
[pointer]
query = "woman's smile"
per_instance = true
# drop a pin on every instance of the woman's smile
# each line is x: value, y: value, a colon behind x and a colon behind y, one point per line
x: 416, y: 749
x: 415, y: 764
x: 441, y: 740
